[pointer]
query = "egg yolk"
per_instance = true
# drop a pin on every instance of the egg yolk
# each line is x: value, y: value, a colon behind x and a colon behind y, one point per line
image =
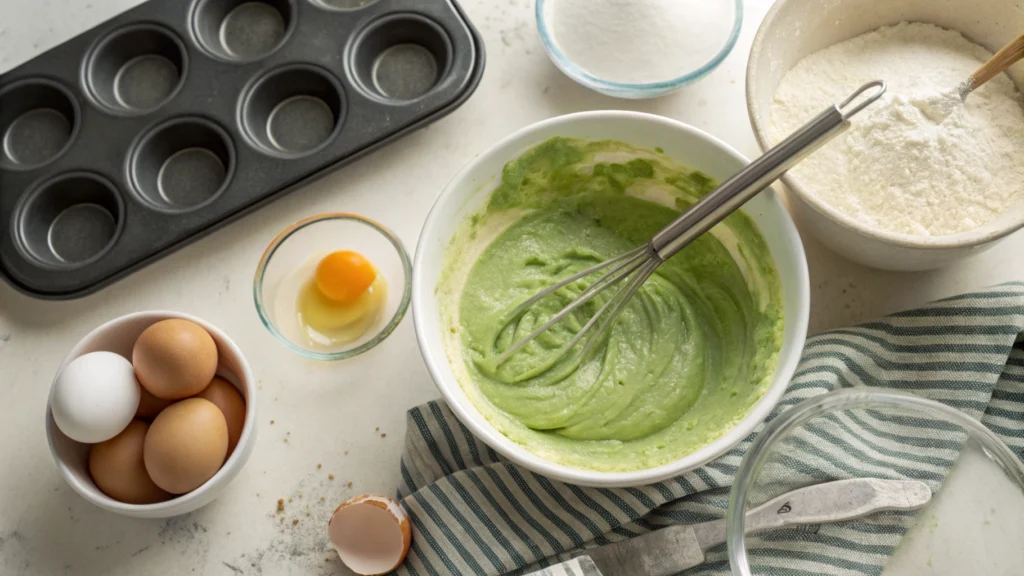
x: 344, y: 275
x: 343, y: 300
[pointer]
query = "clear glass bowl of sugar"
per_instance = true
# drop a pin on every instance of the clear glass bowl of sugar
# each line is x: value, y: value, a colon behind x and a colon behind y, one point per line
x: 638, y: 48
x: 971, y: 525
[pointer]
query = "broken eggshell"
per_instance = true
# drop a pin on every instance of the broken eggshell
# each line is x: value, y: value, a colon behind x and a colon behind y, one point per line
x: 371, y: 534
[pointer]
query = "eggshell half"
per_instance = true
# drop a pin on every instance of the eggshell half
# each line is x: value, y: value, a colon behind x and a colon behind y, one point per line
x: 371, y: 534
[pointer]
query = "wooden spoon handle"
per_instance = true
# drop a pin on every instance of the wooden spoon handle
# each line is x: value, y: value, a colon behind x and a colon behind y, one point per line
x: 1006, y: 57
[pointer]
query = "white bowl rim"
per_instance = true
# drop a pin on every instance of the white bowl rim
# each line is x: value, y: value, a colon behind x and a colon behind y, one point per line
x: 799, y: 318
x: 230, y: 467
x: 970, y: 238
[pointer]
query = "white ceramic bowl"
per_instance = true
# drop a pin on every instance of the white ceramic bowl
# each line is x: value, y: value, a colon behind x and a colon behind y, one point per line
x: 472, y: 187
x: 794, y: 29
x: 119, y: 336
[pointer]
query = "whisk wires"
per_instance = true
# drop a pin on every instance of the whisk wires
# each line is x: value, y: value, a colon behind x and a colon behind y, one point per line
x: 636, y: 266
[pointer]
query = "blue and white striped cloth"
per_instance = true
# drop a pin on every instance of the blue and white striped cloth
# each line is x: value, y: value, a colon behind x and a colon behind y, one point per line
x: 475, y: 513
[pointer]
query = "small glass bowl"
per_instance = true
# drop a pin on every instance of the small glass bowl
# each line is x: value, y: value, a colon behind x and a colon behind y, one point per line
x: 971, y: 525
x: 634, y: 91
x: 293, y: 248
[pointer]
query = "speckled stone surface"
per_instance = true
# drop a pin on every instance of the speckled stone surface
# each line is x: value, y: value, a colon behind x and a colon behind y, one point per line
x: 337, y: 428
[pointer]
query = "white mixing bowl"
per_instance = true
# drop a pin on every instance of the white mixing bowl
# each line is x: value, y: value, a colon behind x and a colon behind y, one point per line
x: 119, y: 336
x: 470, y: 190
x: 794, y: 29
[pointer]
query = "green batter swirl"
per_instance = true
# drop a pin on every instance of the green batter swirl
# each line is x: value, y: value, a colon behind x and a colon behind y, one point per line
x: 688, y: 357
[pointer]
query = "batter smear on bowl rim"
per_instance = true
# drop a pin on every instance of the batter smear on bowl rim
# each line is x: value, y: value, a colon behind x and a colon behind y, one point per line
x: 686, y: 360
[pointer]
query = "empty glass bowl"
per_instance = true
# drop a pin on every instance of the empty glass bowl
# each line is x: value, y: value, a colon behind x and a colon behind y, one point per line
x: 290, y: 261
x: 972, y: 525
x: 718, y: 37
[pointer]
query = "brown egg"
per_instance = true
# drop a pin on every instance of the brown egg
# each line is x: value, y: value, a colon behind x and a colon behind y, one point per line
x: 149, y: 405
x: 174, y: 359
x: 186, y: 445
x: 117, y: 468
x: 230, y: 401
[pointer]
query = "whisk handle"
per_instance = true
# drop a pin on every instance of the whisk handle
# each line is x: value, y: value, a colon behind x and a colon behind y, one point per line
x: 759, y: 174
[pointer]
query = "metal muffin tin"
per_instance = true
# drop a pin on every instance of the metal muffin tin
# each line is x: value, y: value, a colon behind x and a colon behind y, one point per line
x: 174, y: 118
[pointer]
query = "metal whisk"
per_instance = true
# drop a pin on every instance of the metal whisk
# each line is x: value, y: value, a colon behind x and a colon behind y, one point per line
x: 637, y: 265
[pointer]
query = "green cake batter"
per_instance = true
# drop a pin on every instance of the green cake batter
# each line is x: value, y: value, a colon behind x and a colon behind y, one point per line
x: 688, y: 357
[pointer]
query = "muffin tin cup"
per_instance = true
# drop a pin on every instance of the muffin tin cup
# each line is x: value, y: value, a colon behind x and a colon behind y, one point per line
x: 401, y: 57
x: 175, y: 118
x: 38, y: 121
x: 136, y: 69
x: 182, y: 165
x: 343, y: 5
x: 293, y: 111
x: 69, y: 221
x: 242, y: 30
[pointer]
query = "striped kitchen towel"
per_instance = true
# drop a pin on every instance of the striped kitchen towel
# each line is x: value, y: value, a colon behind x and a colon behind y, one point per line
x: 475, y: 513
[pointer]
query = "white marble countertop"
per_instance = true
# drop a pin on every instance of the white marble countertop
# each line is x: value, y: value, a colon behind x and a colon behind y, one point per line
x: 330, y: 419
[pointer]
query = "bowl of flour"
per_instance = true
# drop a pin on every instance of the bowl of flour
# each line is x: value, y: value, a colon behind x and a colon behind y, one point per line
x: 638, y: 48
x: 920, y: 179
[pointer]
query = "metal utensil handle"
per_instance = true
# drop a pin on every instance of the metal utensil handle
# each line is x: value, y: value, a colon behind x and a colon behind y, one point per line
x: 822, y: 503
x: 747, y: 183
x: 836, y: 502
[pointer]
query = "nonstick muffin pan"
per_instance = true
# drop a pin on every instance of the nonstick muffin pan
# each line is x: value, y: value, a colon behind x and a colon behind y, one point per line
x: 173, y: 118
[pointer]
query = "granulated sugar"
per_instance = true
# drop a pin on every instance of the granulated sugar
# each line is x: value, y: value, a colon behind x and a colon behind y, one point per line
x: 919, y: 161
x: 640, y: 41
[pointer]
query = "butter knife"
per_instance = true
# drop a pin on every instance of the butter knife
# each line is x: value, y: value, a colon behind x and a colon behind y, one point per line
x: 672, y: 549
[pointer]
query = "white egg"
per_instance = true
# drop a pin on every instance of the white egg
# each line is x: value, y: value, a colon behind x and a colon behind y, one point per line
x: 95, y: 397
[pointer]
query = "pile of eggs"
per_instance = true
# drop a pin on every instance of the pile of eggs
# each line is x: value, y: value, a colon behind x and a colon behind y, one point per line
x: 160, y: 425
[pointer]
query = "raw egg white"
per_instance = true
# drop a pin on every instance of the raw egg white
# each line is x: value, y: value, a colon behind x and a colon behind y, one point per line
x: 94, y: 397
x: 331, y: 301
x: 371, y: 534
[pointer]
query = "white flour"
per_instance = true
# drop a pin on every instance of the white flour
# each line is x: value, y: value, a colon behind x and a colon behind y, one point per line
x: 640, y: 41
x: 918, y: 162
